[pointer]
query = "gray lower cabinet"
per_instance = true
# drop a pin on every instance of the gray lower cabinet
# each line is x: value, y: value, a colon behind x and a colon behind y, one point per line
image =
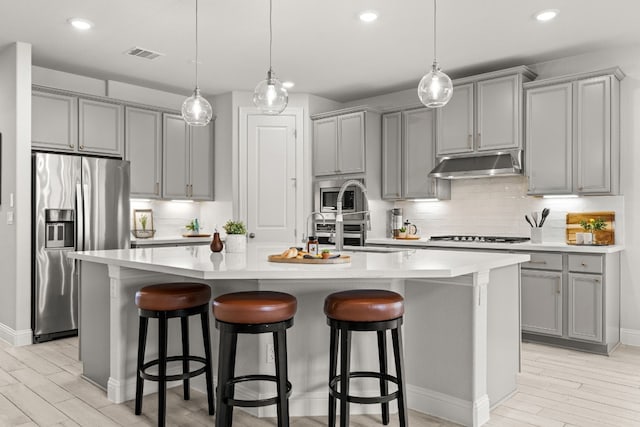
x: 143, y: 136
x: 541, y: 301
x: 585, y: 307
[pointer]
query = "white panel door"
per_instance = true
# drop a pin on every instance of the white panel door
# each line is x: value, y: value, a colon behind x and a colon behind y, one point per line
x: 271, y: 178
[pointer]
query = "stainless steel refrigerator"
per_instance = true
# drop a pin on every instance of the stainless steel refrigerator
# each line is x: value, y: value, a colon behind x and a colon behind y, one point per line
x: 79, y: 203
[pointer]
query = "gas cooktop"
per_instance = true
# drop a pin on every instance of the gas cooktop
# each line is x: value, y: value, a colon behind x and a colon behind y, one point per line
x: 479, y: 239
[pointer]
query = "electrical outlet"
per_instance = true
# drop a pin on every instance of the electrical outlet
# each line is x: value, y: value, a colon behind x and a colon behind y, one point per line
x: 10, y: 217
x: 271, y: 357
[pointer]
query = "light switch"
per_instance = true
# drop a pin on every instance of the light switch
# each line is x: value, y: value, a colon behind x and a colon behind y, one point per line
x: 10, y: 200
x: 10, y: 217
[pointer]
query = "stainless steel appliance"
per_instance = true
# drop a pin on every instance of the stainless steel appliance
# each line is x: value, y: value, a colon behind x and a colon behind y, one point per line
x: 395, y: 222
x: 479, y: 239
x: 354, y: 233
x: 79, y: 203
x: 326, y: 199
x: 507, y: 163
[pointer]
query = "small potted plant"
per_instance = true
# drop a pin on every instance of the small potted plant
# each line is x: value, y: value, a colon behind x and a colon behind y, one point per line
x: 326, y: 253
x: 236, y: 240
x: 193, y: 226
x: 591, y: 227
x: 402, y: 233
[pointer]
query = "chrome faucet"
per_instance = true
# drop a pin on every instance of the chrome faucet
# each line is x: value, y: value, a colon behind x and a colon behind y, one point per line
x: 311, y: 215
x: 340, y: 215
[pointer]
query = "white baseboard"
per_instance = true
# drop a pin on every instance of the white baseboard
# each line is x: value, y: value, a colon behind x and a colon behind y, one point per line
x: 630, y: 337
x: 16, y: 338
x: 448, y: 407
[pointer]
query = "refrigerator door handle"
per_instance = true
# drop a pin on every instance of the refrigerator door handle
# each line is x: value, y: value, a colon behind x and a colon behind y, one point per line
x: 86, y: 211
x: 79, y: 219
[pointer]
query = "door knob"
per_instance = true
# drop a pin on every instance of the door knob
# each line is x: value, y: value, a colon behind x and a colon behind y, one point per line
x: 252, y: 235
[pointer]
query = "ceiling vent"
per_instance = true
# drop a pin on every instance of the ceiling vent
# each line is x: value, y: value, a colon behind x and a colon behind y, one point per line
x: 143, y: 53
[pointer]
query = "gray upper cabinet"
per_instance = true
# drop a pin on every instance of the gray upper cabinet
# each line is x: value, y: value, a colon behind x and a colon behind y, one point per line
x: 54, y: 121
x: 339, y: 144
x: 572, y: 134
x: 549, y: 139
x: 143, y: 141
x: 100, y: 127
x: 187, y: 160
x: 484, y: 114
x: 408, y: 146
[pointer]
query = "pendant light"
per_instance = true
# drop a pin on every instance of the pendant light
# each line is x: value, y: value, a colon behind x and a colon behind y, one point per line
x: 270, y: 96
x: 196, y: 110
x: 435, y: 88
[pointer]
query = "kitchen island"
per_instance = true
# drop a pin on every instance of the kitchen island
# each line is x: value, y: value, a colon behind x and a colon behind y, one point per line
x: 461, y: 321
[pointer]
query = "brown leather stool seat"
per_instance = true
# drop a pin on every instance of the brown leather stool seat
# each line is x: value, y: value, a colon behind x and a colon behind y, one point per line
x: 254, y: 307
x: 364, y: 305
x: 173, y: 296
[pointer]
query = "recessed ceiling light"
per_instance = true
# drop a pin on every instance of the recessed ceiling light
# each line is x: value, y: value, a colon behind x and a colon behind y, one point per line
x: 288, y: 85
x: 546, y: 15
x: 80, y: 23
x: 368, y: 16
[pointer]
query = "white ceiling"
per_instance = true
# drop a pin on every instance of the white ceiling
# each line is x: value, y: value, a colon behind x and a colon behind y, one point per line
x: 319, y: 44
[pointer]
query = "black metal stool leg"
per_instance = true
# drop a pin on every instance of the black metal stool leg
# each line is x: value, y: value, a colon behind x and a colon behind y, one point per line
x: 384, y: 389
x: 184, y: 323
x: 206, y: 337
x: 345, y: 362
x: 142, y: 342
x: 162, y: 370
x: 280, y: 350
x: 396, y: 334
x: 333, y: 367
x: 226, y: 368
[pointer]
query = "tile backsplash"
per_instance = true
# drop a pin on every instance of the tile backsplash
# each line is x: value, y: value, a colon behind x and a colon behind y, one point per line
x: 496, y: 206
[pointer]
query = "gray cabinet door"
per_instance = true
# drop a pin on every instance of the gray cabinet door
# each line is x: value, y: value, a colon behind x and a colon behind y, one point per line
x: 101, y: 128
x: 593, y: 135
x: 549, y: 138
x: 143, y: 141
x: 498, y: 113
x: 325, y: 146
x: 541, y: 302
x: 54, y: 121
x: 201, y: 162
x: 351, y: 143
x: 585, y: 307
x: 392, y: 156
x: 419, y: 153
x: 175, y: 154
x: 455, y: 122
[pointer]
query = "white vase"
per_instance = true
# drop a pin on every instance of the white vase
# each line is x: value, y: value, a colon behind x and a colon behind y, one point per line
x: 235, y: 243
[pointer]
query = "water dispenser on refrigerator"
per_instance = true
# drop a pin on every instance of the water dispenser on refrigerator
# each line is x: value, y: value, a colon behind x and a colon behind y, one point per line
x: 59, y: 224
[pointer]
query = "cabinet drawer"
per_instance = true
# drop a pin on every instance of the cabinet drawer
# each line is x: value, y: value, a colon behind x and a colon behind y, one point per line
x: 544, y: 261
x: 585, y: 263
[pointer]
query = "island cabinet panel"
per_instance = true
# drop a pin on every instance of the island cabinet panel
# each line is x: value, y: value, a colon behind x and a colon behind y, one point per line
x: 542, y: 302
x: 143, y: 140
x: 549, y: 138
x: 585, y: 307
x: 54, y: 121
x: 100, y: 127
x: 455, y: 122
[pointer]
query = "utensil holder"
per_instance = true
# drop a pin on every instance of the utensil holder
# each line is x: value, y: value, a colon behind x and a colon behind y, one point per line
x: 536, y: 234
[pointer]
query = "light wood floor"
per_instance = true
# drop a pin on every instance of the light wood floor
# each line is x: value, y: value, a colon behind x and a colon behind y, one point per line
x: 40, y: 385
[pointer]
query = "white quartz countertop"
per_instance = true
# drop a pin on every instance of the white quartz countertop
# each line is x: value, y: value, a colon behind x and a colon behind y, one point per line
x: 170, y: 239
x: 527, y: 246
x: 199, y: 262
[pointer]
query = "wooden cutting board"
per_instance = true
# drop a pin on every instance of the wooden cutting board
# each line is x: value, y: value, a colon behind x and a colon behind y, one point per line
x: 412, y: 237
x: 342, y: 259
x: 196, y: 235
x: 603, y: 237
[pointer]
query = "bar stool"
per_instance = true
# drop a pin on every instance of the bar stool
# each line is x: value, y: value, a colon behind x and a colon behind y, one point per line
x: 163, y: 302
x: 365, y: 310
x: 253, y: 312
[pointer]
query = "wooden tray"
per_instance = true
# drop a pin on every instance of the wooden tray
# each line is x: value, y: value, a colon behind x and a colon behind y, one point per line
x: 342, y: 259
x: 408, y: 238
x: 603, y: 237
x: 196, y: 235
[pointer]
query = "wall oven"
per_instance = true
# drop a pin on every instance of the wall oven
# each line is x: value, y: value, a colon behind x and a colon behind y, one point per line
x: 326, y: 200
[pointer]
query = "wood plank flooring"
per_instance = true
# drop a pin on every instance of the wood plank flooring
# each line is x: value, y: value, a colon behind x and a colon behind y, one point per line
x: 40, y: 385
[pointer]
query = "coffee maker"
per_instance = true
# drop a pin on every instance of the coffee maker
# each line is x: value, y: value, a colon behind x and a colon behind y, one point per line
x: 395, y: 222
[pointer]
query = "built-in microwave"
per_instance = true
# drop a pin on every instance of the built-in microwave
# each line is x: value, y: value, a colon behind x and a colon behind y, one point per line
x: 326, y: 199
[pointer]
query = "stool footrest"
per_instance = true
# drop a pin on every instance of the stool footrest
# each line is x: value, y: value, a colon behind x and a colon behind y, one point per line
x: 359, y: 399
x: 252, y: 403
x: 176, y: 377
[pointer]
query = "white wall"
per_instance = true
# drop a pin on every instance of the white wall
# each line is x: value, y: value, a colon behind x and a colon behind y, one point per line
x: 15, y: 250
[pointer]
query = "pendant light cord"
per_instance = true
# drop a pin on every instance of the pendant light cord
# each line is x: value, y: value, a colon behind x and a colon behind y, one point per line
x: 196, y: 44
x: 435, y: 56
x: 270, y: 31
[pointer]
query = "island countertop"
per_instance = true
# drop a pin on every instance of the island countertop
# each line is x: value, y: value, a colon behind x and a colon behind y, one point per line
x: 199, y: 262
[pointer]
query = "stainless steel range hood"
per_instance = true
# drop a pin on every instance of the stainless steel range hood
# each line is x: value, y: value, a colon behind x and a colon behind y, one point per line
x: 507, y: 163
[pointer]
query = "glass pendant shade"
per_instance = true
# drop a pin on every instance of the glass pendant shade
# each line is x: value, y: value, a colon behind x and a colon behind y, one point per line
x: 435, y: 88
x: 196, y: 110
x: 270, y: 96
